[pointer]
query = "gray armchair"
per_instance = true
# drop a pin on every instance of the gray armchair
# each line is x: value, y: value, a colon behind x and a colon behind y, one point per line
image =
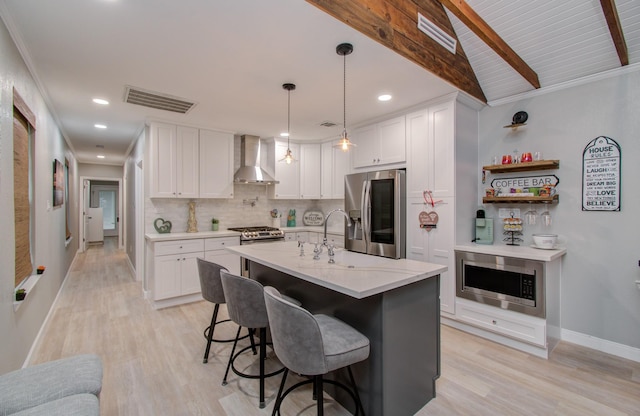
x: 69, y: 386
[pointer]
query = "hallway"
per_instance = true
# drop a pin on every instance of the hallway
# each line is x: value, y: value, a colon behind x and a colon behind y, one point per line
x: 153, y: 360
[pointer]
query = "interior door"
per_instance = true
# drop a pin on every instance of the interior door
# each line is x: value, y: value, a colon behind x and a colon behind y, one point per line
x: 95, y: 231
x: 86, y: 188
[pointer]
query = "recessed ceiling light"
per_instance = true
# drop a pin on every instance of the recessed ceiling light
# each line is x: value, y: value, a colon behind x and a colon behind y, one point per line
x: 284, y: 134
x: 100, y: 101
x: 100, y: 126
x: 384, y: 97
x: 100, y: 156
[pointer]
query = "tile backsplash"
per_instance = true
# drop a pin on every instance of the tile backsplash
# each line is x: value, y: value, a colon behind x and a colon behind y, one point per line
x: 234, y: 212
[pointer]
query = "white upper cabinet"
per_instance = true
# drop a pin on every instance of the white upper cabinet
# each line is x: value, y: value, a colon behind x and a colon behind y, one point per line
x: 431, y: 151
x: 310, y: 158
x: 162, y: 160
x: 287, y: 174
x: 216, y: 164
x: 335, y: 165
x: 173, y: 161
x: 381, y: 143
x: 186, y: 162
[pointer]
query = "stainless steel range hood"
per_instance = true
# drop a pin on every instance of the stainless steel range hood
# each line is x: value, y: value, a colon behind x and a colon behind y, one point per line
x: 250, y: 171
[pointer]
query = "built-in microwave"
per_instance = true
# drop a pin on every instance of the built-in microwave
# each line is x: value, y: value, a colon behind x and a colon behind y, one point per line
x: 506, y: 282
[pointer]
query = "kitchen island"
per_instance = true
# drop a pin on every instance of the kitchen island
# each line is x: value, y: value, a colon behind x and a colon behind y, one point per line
x: 395, y: 303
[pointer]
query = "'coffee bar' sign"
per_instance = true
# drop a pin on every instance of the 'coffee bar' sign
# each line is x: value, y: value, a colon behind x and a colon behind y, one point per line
x: 601, y: 175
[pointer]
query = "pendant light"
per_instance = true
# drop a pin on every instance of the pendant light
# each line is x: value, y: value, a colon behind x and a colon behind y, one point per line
x: 344, y: 144
x: 288, y: 157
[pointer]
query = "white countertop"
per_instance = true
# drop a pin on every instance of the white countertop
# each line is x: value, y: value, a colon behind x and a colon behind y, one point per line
x: 354, y: 274
x: 153, y: 237
x: 521, y: 252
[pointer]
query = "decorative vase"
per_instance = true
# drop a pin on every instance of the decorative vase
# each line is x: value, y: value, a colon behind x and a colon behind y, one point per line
x: 192, y: 223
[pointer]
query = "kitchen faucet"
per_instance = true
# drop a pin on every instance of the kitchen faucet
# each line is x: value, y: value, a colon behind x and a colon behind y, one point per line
x: 330, y: 247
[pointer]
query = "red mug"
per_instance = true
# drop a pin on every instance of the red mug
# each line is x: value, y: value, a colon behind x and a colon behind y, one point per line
x: 526, y: 157
x: 507, y: 159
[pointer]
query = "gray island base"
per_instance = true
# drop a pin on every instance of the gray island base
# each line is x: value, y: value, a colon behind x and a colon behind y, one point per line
x: 402, y: 321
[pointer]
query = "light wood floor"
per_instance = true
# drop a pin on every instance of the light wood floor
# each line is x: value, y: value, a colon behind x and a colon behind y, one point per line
x: 153, y: 360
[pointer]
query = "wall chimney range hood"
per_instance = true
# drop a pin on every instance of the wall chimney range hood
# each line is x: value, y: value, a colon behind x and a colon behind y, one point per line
x: 250, y: 171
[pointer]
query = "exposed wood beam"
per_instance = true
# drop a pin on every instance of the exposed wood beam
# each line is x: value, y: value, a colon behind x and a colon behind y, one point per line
x: 611, y: 14
x: 394, y: 24
x: 469, y: 17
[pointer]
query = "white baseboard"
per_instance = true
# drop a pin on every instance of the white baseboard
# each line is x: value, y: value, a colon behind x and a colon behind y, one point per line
x: 46, y: 319
x: 609, y: 347
x: 131, y: 268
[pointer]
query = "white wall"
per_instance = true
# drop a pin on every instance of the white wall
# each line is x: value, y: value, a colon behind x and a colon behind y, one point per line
x: 19, y: 329
x: 99, y: 171
x: 599, y: 297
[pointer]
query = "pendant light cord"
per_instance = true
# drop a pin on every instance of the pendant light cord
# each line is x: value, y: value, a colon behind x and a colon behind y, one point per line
x: 344, y: 95
x: 288, y: 117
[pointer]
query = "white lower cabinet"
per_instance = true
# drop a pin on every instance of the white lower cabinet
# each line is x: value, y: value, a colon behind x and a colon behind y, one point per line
x: 511, y: 324
x: 173, y: 277
x: 175, y: 270
x: 436, y: 245
x: 215, y: 252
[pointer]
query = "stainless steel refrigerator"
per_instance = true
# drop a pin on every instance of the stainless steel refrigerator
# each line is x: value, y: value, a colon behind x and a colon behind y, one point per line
x: 376, y: 204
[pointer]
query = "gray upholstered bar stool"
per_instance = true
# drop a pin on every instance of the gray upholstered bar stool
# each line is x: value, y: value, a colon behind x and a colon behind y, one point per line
x: 245, y: 303
x: 312, y: 345
x: 212, y: 291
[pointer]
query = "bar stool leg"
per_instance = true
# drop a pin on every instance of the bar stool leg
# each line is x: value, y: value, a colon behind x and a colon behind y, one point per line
x: 319, y: 396
x: 263, y: 357
x: 276, y: 407
x: 355, y: 391
x: 253, y: 343
x: 214, y: 318
x: 233, y: 350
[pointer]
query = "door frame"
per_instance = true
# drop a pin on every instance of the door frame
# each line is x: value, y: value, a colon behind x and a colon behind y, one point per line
x: 84, y: 202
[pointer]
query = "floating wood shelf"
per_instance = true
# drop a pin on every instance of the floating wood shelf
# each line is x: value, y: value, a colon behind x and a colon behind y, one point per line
x: 520, y: 199
x: 514, y: 126
x: 523, y: 167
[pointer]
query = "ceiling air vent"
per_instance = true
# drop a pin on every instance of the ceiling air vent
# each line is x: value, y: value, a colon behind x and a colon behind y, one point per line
x: 328, y: 124
x: 434, y: 32
x: 138, y: 96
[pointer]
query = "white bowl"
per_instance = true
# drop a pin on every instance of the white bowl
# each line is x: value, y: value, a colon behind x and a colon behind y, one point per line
x: 545, y: 240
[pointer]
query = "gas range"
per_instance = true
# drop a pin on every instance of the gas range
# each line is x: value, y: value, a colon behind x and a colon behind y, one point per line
x: 259, y: 233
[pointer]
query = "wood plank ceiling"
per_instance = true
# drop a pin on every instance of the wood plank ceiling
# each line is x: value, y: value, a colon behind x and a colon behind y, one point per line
x: 540, y: 35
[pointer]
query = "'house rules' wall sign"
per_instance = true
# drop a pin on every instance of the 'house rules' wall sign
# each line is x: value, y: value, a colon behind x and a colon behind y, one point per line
x: 601, y: 175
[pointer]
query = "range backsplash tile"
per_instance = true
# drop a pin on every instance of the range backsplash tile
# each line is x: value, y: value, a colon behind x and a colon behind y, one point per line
x: 234, y: 212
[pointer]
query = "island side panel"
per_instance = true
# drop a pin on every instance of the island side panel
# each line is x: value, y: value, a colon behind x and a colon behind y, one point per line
x: 397, y: 378
x: 411, y: 357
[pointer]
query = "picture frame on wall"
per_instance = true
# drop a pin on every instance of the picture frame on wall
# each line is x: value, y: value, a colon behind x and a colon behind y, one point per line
x: 58, y: 183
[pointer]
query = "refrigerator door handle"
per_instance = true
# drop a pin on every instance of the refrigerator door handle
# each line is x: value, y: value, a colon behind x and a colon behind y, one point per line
x: 366, y: 213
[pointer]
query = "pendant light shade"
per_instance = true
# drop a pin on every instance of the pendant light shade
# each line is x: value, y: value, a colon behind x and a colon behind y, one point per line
x: 288, y: 157
x: 344, y: 144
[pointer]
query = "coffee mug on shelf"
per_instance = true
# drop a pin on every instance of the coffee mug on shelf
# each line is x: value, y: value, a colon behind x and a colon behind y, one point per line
x: 507, y: 160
